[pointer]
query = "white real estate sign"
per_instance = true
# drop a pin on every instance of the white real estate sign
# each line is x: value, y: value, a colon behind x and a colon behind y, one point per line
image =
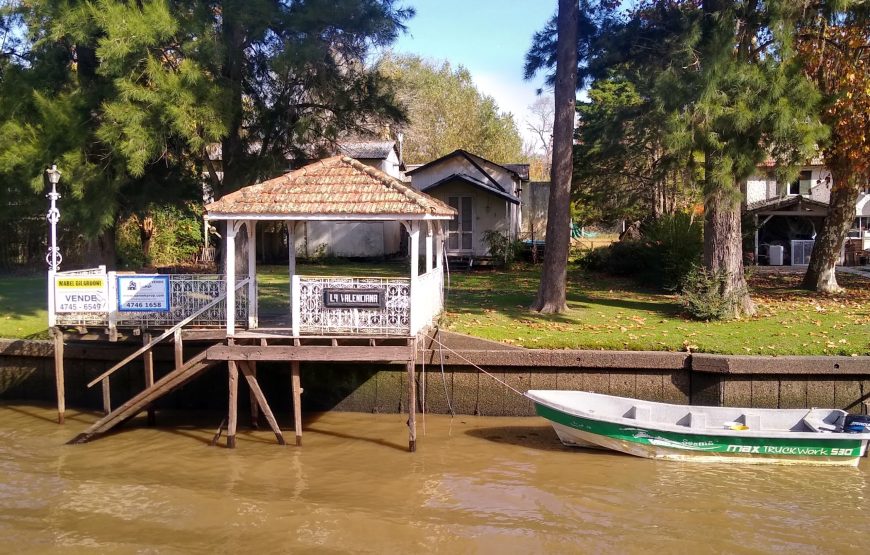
x: 88, y: 293
x: 143, y: 293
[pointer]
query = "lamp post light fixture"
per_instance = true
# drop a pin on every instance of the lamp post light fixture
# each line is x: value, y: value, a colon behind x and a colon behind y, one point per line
x: 53, y: 257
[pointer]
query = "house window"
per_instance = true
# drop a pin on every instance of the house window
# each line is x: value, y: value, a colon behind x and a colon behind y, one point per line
x: 459, y: 230
x: 802, y: 185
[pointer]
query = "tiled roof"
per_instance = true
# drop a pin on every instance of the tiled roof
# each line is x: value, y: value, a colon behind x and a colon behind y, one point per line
x: 337, y: 186
x: 378, y: 150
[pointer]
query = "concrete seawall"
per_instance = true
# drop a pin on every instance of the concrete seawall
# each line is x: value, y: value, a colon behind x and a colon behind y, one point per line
x: 447, y: 378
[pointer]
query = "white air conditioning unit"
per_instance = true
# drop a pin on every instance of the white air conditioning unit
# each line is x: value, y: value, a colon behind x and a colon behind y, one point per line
x: 776, y: 252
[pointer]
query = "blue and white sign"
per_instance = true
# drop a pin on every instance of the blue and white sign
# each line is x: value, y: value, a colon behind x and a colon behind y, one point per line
x: 142, y: 293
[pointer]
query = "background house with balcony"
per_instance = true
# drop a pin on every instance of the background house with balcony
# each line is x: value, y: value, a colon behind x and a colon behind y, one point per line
x: 486, y: 196
x: 788, y: 216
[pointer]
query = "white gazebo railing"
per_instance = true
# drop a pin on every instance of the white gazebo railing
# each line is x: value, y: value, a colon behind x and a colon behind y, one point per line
x: 427, y: 298
x: 324, y: 305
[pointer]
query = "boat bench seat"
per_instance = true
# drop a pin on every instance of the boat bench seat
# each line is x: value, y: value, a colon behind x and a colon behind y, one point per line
x: 697, y: 420
x: 752, y: 421
x: 639, y: 412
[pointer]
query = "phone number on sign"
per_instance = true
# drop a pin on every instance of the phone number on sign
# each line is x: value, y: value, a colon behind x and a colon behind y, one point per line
x: 84, y: 307
x: 144, y: 304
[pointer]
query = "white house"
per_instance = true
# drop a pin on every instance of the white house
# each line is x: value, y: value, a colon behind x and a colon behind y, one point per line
x: 789, y: 215
x: 485, y: 194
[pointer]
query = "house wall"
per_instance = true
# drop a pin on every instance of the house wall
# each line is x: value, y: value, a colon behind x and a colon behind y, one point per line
x: 357, y: 239
x: 761, y: 187
x: 489, y: 212
x: 535, y: 198
x: 350, y: 239
x: 494, y: 216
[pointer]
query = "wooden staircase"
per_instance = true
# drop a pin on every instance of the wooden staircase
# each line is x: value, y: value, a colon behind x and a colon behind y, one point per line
x: 175, y: 379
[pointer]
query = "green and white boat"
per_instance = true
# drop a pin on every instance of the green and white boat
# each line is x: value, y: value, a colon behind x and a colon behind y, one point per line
x: 707, y: 434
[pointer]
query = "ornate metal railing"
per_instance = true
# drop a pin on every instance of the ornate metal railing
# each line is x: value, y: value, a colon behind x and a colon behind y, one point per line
x: 311, y: 316
x: 187, y: 294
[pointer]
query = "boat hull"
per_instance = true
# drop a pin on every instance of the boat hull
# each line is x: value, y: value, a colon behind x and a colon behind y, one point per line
x: 827, y: 449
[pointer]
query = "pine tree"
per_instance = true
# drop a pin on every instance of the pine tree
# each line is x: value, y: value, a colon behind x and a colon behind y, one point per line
x: 126, y: 96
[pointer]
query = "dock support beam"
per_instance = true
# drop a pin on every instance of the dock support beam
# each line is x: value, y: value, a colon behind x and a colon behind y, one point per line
x: 296, y: 386
x: 107, y: 395
x: 412, y: 408
x: 258, y: 398
x: 233, y: 418
x: 58, y: 374
x: 255, y: 405
x: 148, y: 360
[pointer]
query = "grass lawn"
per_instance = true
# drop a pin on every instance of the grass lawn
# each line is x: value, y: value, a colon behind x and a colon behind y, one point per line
x: 23, y: 302
x: 605, y: 313
x: 608, y: 313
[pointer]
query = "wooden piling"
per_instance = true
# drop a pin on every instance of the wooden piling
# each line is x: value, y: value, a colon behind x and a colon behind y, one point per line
x: 58, y: 374
x: 412, y: 408
x: 255, y: 405
x: 232, y: 418
x: 178, y: 346
x: 107, y: 395
x: 148, y: 362
x: 296, y: 386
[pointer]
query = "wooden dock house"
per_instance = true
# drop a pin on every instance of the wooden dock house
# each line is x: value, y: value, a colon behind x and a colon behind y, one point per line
x: 330, y: 318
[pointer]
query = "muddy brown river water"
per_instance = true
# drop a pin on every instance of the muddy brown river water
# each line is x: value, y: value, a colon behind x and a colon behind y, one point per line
x: 476, y: 485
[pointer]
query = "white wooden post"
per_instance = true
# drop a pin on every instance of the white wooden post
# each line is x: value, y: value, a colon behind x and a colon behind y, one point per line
x: 428, y: 246
x: 112, y: 283
x: 231, y: 277
x: 414, y: 242
x: 295, y: 309
x: 291, y: 267
x: 253, y: 305
x: 439, y: 245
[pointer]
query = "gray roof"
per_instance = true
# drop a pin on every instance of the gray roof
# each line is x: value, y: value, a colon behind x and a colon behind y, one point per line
x: 521, y: 170
x: 474, y: 182
x: 796, y: 203
x: 366, y: 150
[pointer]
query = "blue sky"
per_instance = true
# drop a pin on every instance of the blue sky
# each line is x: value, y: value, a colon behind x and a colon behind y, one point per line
x: 488, y: 37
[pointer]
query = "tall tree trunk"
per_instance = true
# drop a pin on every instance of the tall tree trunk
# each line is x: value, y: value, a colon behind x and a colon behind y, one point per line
x: 820, y: 274
x: 723, y: 249
x: 232, y: 72
x: 106, y: 244
x: 146, y: 232
x: 551, y: 293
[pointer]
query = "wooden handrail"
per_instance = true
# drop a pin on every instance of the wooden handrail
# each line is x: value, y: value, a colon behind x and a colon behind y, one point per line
x: 164, y: 335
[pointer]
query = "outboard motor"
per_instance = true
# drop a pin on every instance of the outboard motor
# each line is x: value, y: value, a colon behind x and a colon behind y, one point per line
x: 857, y: 424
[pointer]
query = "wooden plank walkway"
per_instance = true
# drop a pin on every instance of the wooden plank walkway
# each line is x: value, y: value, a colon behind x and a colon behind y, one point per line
x: 140, y: 402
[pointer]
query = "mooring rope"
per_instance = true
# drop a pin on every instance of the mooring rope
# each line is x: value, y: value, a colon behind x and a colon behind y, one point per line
x: 444, y: 381
x: 423, y: 392
x: 504, y: 383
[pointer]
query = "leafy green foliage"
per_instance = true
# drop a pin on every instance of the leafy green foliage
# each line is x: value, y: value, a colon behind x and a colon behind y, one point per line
x: 128, y: 98
x: 502, y: 250
x: 667, y: 251
x: 704, y: 295
x: 176, y: 240
x: 446, y: 112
